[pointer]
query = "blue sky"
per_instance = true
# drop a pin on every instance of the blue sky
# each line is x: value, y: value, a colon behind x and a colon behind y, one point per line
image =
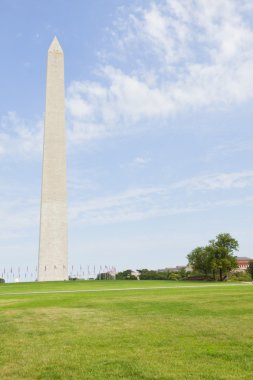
x: 159, y: 126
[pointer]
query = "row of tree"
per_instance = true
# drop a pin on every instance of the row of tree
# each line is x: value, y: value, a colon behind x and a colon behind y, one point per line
x: 215, y: 259
x: 146, y: 274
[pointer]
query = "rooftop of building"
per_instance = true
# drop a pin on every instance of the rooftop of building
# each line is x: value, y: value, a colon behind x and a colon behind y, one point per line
x: 243, y: 258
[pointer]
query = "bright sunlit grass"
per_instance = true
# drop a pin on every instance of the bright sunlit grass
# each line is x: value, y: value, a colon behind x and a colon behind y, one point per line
x: 176, y: 333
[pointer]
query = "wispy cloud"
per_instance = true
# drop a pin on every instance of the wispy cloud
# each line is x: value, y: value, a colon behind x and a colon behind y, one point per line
x: 228, y: 148
x: 218, y: 181
x: 174, y: 56
x: 130, y: 205
x: 140, y: 162
x: 19, y: 216
x: 113, y: 210
x: 152, y: 202
x: 19, y: 137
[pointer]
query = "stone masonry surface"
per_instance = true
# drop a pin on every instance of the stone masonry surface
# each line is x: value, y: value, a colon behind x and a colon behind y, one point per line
x: 53, y: 246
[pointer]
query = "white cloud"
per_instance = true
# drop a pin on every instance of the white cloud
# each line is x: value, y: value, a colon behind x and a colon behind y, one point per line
x: 18, y: 137
x: 19, y: 213
x: 228, y: 148
x: 179, y: 55
x: 118, y: 209
x: 152, y: 202
x: 18, y: 217
x: 174, y: 56
x: 140, y: 161
x: 218, y: 181
x: 247, y: 5
x: 130, y: 205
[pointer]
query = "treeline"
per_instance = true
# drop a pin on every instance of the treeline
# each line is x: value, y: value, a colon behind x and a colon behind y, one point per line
x: 145, y: 274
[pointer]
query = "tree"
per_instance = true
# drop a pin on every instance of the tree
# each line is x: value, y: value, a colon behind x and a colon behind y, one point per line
x: 125, y: 275
x: 105, y: 276
x: 174, y: 276
x: 182, y: 274
x: 146, y: 274
x: 217, y: 256
x: 201, y: 260
x: 250, y: 269
x: 221, y: 252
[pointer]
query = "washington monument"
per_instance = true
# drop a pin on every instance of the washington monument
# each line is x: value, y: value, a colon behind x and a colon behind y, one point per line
x: 53, y: 246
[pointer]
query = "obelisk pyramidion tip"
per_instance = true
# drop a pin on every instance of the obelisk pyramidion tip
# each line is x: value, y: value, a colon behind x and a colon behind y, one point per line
x: 55, y: 46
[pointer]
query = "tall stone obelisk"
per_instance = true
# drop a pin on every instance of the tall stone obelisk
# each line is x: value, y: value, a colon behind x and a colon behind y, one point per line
x: 53, y: 249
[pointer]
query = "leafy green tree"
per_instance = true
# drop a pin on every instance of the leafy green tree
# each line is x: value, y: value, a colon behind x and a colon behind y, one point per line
x: 221, y: 251
x: 105, y: 276
x: 174, y: 276
x: 250, y: 269
x: 182, y: 274
x: 240, y: 276
x: 146, y: 274
x: 125, y: 275
x: 201, y: 260
x: 216, y: 257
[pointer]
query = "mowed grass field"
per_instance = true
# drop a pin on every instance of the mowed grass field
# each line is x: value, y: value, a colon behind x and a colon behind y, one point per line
x: 171, y: 333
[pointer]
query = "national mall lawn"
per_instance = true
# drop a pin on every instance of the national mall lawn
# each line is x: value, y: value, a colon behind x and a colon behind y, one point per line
x: 185, y: 331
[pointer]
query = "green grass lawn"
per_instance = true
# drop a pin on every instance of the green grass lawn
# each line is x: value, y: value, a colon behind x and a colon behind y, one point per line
x: 175, y: 333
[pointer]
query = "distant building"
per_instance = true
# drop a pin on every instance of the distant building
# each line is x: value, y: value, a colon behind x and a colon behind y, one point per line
x: 175, y: 269
x: 243, y: 263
